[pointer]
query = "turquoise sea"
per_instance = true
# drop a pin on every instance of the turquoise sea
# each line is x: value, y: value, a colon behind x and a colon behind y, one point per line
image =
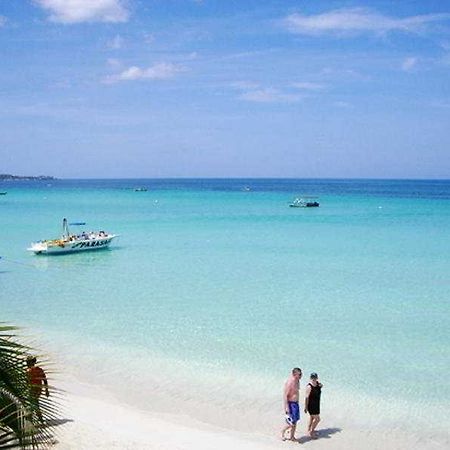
x: 213, y: 292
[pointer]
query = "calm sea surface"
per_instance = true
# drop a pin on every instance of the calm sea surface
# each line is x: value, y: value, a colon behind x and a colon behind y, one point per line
x: 216, y: 288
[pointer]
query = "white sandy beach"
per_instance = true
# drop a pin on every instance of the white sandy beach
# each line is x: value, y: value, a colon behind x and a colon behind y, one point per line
x: 94, y: 419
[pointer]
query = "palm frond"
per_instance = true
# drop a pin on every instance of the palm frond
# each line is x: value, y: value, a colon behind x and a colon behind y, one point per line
x: 24, y: 417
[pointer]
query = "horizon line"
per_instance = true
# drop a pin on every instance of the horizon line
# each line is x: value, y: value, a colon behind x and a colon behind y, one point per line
x: 254, y: 178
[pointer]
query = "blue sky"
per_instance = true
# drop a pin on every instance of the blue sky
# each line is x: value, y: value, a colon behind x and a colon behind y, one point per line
x: 209, y: 88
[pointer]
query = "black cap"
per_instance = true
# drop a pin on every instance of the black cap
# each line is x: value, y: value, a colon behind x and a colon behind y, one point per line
x: 314, y: 375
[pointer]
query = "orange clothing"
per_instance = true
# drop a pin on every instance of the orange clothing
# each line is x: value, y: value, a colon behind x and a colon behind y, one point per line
x: 36, y: 377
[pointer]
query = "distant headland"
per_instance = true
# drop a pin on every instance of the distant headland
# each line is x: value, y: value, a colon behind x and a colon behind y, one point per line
x: 6, y: 176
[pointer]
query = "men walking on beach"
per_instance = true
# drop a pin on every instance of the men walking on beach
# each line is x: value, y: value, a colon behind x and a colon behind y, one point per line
x: 37, y: 380
x: 291, y: 407
x: 312, y: 403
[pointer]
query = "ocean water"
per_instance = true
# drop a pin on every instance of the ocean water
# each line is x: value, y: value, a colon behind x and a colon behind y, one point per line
x: 212, y: 293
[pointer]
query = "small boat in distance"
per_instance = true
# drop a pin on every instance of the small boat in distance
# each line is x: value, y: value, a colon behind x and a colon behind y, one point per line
x: 140, y: 189
x: 304, y: 202
x: 69, y: 243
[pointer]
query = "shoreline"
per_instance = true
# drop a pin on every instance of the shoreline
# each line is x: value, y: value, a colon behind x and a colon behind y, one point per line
x: 94, y: 418
x: 243, y: 401
x: 150, y: 412
x: 127, y: 403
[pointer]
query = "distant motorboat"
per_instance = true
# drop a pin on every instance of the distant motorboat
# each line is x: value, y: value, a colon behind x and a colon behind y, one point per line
x: 70, y: 243
x: 305, y: 202
x: 140, y: 189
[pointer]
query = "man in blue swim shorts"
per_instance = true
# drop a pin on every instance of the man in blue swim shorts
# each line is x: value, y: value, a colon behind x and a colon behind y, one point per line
x: 291, y: 407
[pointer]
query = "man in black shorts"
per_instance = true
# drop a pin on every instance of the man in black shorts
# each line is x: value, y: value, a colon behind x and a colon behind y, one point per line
x: 312, y: 403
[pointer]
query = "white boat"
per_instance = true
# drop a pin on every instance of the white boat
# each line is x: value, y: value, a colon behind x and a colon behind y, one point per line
x: 305, y: 202
x: 69, y: 243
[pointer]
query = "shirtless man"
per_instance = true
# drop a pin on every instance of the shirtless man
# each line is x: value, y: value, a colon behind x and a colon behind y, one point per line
x: 290, y: 400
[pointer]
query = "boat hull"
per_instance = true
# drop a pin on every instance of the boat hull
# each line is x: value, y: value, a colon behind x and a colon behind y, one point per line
x: 306, y: 205
x: 61, y: 247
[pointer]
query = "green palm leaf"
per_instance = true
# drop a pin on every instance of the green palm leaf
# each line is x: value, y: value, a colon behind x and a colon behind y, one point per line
x: 26, y: 421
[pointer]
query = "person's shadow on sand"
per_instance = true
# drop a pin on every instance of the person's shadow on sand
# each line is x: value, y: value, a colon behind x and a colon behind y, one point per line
x: 324, y: 433
x: 57, y: 422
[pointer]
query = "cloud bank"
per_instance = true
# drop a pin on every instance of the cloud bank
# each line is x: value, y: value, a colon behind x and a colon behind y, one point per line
x: 350, y: 21
x: 77, y: 11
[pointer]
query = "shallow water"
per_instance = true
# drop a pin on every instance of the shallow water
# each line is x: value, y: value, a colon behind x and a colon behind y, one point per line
x: 225, y: 290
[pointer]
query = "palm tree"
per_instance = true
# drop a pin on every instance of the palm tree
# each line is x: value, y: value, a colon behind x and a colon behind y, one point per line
x: 26, y: 421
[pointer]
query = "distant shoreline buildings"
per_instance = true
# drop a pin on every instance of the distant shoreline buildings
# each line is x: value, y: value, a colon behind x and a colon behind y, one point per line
x: 6, y: 176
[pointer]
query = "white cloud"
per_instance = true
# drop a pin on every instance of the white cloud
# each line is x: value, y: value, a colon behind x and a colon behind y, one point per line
x: 76, y: 11
x: 409, y: 63
x: 116, y: 43
x: 306, y: 85
x: 2, y: 20
x: 255, y: 92
x: 349, y: 21
x: 159, y: 71
x: 268, y: 95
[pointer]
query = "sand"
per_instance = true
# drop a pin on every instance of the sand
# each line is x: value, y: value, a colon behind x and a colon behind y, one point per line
x: 94, y: 419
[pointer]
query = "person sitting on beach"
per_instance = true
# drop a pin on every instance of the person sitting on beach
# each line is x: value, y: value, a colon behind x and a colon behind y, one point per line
x: 291, y: 407
x: 312, y: 403
x: 36, y: 380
